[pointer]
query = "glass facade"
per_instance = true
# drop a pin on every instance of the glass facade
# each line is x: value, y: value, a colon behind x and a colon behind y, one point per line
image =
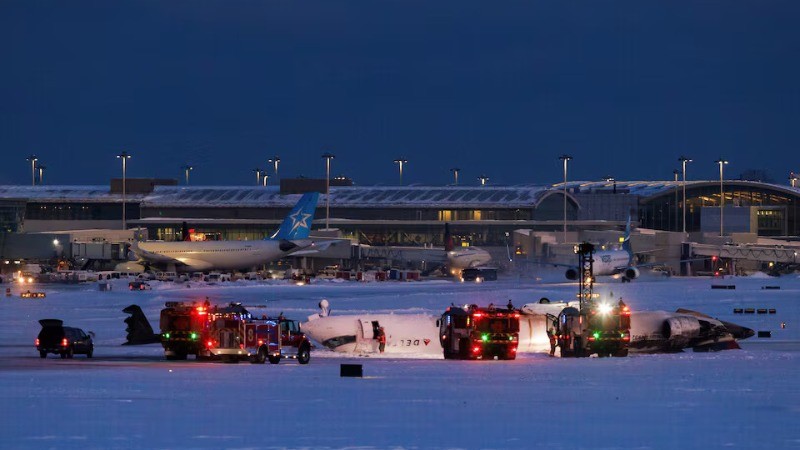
x: 777, y: 211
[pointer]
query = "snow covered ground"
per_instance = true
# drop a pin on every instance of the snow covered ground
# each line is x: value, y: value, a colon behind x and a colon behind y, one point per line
x: 129, y: 397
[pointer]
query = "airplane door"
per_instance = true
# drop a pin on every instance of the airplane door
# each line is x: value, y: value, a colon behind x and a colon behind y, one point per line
x: 366, y: 329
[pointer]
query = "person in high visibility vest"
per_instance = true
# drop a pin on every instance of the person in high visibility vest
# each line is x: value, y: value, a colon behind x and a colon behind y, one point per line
x: 381, y: 339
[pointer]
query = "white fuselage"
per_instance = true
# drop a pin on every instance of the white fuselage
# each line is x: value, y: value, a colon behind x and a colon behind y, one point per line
x: 610, y: 262
x: 467, y: 257
x: 211, y: 255
x: 418, y: 334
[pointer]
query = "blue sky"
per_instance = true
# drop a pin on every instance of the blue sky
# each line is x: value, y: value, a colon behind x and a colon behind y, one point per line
x: 494, y: 88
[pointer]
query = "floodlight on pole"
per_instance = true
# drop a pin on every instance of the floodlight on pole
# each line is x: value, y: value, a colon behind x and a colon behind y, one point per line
x: 328, y: 157
x: 274, y: 161
x: 721, y: 163
x: 483, y: 179
x: 258, y: 176
x: 683, y: 160
x: 455, y: 171
x: 401, y: 161
x: 186, y: 169
x: 33, y: 160
x: 124, y: 156
x: 792, y: 179
x: 40, y: 168
x: 676, y: 173
x: 566, y: 159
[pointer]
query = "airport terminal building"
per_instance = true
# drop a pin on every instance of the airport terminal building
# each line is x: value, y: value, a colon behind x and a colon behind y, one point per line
x: 403, y: 215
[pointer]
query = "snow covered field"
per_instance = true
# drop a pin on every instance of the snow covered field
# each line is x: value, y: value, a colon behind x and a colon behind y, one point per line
x: 129, y: 397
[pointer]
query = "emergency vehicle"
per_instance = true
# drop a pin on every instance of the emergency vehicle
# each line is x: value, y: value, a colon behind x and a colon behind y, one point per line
x: 596, y: 327
x: 229, y: 333
x: 184, y: 330
x: 477, y: 333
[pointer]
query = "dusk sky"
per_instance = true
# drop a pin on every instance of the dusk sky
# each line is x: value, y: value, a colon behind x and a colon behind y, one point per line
x: 494, y: 88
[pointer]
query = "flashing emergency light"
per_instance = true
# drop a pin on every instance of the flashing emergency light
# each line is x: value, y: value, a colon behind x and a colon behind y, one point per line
x: 166, y: 335
x: 36, y: 343
x: 484, y: 337
x: 596, y: 335
x: 193, y: 336
x: 477, y: 315
x: 476, y: 349
x: 209, y: 344
x: 604, y: 308
x: 64, y: 342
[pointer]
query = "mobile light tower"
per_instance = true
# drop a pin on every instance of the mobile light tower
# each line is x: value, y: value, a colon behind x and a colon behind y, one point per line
x: 41, y: 168
x: 186, y: 169
x: 401, y: 161
x: 483, y: 179
x: 455, y: 171
x: 683, y: 160
x: 327, y: 156
x: 33, y: 160
x: 274, y: 161
x: 124, y: 156
x: 721, y: 163
x: 566, y: 159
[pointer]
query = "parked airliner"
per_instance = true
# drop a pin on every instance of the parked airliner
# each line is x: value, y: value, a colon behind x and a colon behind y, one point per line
x: 291, y: 239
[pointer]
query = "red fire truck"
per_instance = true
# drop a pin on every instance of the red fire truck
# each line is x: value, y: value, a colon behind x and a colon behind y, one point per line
x: 229, y: 333
x: 477, y: 333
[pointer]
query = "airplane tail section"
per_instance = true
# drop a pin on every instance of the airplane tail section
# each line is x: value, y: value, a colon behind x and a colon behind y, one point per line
x: 297, y: 225
x: 626, y: 241
x: 139, y: 331
x: 448, y: 238
x: 185, y: 232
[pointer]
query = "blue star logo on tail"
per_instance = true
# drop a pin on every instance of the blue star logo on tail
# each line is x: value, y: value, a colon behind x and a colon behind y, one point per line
x: 299, y: 219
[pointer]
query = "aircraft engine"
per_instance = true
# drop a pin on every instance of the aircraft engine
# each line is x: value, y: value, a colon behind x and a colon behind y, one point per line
x: 631, y: 273
x: 681, y: 330
x: 572, y: 273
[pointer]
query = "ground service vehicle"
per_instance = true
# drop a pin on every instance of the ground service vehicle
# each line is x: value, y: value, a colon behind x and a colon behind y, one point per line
x: 477, y: 333
x: 65, y: 341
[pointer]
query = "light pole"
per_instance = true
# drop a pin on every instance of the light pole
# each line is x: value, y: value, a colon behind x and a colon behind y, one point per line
x: 124, y: 156
x: 483, y: 179
x: 328, y: 157
x: 721, y: 163
x: 33, y: 160
x: 683, y: 160
x: 186, y: 169
x: 275, y: 160
x: 792, y: 179
x: 676, y: 173
x: 401, y: 161
x: 41, y: 172
x: 566, y: 159
x: 266, y: 179
x: 455, y: 171
x: 258, y: 176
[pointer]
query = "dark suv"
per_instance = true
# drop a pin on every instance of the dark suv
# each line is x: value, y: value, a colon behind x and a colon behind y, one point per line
x: 61, y: 340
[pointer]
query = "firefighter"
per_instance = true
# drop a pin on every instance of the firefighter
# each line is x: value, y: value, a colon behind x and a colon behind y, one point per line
x: 551, y: 334
x: 381, y: 339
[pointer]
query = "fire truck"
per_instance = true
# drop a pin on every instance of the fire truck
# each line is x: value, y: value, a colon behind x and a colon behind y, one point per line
x: 596, y: 327
x: 229, y: 333
x: 234, y: 337
x: 601, y: 328
x: 478, y: 333
x: 184, y: 329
